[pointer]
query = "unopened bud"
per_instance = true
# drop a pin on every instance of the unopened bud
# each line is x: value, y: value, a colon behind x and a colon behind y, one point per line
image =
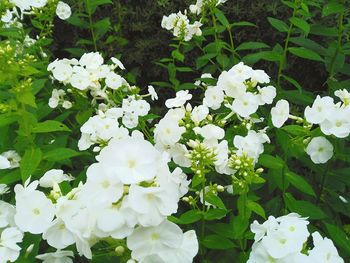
x: 119, y: 250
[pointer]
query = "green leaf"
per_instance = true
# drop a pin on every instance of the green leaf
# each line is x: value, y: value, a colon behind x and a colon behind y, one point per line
x: 177, y: 55
x: 300, y: 23
x: 278, y: 24
x: 321, y: 30
x: 339, y: 237
x: 295, y: 130
x: 49, y: 126
x: 263, y: 55
x: 27, y: 98
x: 214, y: 200
x: 188, y: 217
x: 60, y: 154
x: 221, y: 17
x: 243, y: 23
x: 300, y: 183
x: 332, y: 8
x: 304, y: 208
x: 75, y: 20
x: 270, y: 161
x: 256, y: 208
x: 293, y: 82
x: 93, y: 4
x: 11, y: 177
x: 251, y: 46
x: 29, y: 162
x: 305, y: 53
x: 217, y: 242
x: 222, y: 229
x: 7, y: 119
x: 215, y: 213
x: 102, y: 27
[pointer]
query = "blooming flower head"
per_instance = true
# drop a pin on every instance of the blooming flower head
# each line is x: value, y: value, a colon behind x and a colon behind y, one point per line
x: 320, y: 150
x: 280, y: 113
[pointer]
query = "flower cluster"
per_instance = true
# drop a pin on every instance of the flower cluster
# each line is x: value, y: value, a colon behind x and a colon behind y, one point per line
x: 12, y: 17
x: 58, y: 98
x: 283, y: 239
x: 128, y: 193
x: 331, y: 117
x: 89, y: 73
x: 181, y: 27
x: 200, y: 5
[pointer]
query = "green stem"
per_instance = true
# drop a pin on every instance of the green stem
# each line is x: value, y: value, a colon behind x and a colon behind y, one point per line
x: 285, y: 50
x: 91, y: 24
x: 203, y: 220
x: 339, y: 43
x: 284, y: 170
x: 323, y: 182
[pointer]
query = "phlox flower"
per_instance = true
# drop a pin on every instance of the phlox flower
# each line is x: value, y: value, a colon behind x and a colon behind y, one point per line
x: 280, y: 113
x: 181, y: 97
x: 320, y: 150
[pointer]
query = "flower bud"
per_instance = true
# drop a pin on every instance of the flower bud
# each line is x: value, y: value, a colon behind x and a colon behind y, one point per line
x: 119, y: 250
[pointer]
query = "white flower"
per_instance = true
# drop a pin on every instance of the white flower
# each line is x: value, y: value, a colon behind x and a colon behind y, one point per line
x: 266, y: 94
x: 168, y: 131
x: 34, y: 211
x: 130, y: 120
x: 145, y: 241
x: 63, y: 11
x: 9, y: 250
x: 38, y: 3
x: 102, y: 184
x: 131, y: 160
x: 179, y: 153
x: 245, y: 105
x: 321, y: 109
x: 58, y: 236
x: 343, y: 95
x: 7, y: 17
x: 4, y: 163
x: 210, y: 132
x: 62, y: 70
x: 22, y: 4
x: 152, y: 92
x: 250, y: 145
x: 6, y: 215
x: 320, y: 150
x: 140, y: 107
x: 324, y: 250
x: 260, y: 230
x: 152, y: 204
x: 92, y: 60
x: 67, y: 104
x: 114, y: 81
x: 80, y: 78
x: 118, y: 63
x: 199, y: 113
x: 12, y: 157
x: 280, y: 113
x: 343, y: 199
x: 57, y: 257
x: 259, y: 76
x: 181, y: 97
x: 242, y: 71
x: 213, y: 97
x: 231, y: 84
x: 52, y: 177
x: 338, y: 124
